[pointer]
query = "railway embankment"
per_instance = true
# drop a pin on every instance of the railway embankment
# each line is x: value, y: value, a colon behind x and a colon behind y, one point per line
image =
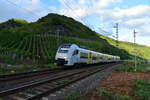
x: 124, y: 84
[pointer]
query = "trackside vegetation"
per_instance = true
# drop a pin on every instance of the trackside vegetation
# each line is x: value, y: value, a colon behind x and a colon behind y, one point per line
x: 27, y: 68
x: 130, y: 67
x: 142, y: 89
x: 108, y: 95
x: 76, y: 95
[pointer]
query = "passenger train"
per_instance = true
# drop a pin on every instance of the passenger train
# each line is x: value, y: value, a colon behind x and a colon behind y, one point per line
x: 72, y: 54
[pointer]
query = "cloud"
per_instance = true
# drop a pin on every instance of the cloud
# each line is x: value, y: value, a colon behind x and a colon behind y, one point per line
x: 105, y: 3
x: 102, y: 11
x: 136, y: 23
x: 134, y: 18
x: 83, y: 8
x: 75, y: 9
x: 134, y: 12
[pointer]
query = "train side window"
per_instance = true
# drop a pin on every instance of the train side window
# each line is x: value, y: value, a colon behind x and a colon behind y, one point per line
x: 76, y: 52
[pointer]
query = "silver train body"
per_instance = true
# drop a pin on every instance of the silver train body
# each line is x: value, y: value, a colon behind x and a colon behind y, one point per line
x: 71, y: 54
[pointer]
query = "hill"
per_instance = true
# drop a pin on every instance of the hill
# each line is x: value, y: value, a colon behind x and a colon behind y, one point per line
x: 12, y: 23
x: 38, y: 41
x: 140, y: 50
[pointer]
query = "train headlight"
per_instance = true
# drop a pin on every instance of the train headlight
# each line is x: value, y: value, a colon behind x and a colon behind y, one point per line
x: 64, y: 57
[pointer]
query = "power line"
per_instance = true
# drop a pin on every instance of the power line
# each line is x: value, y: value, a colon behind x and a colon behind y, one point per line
x: 74, y: 12
x: 106, y: 32
x: 29, y: 11
x: 3, y: 18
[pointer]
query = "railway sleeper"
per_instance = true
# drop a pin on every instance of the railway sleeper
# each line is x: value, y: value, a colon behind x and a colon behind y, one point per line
x: 13, y: 97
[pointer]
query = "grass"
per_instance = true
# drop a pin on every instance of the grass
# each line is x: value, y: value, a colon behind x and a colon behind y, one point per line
x: 142, y: 89
x: 108, y: 95
x: 141, y: 50
x: 76, y: 95
x: 8, y: 70
x: 130, y: 67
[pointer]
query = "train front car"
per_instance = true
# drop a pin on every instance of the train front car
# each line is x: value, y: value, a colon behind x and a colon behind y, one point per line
x: 66, y: 55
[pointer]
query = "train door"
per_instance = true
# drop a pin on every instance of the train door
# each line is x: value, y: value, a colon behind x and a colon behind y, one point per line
x: 97, y: 58
x: 89, y: 58
x: 75, y: 56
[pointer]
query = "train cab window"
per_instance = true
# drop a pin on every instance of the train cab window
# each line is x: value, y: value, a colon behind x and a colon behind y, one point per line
x: 66, y: 46
x: 76, y: 52
x: 63, y: 51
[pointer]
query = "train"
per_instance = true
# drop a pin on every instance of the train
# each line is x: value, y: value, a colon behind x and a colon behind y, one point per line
x: 73, y: 54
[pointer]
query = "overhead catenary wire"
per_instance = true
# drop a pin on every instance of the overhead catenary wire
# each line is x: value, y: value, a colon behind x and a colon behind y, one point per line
x: 27, y: 10
x: 106, y: 32
x: 68, y: 6
x: 83, y: 19
x: 3, y: 18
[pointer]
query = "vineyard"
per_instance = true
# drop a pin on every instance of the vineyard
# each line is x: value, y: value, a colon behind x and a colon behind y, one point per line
x: 38, y: 41
x: 40, y: 47
x: 30, y: 48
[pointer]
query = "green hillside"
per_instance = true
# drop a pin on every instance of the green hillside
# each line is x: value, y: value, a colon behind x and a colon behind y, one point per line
x: 12, y: 23
x: 38, y: 41
x: 140, y: 50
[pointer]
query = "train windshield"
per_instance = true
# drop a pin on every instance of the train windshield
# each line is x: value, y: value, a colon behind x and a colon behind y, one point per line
x: 66, y: 46
x: 63, y: 51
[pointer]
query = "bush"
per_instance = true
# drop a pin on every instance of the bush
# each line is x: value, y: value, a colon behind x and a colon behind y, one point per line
x: 108, y: 95
x: 74, y: 96
x: 142, y: 89
x: 142, y: 67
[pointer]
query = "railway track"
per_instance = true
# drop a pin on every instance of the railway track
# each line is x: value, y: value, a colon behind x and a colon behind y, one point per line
x: 9, y: 77
x: 35, y: 90
x: 19, y: 79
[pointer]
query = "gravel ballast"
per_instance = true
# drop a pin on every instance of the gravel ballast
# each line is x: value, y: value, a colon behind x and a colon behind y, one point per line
x: 83, y: 86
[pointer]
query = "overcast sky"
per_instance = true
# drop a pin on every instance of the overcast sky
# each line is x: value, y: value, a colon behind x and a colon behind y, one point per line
x: 99, y: 15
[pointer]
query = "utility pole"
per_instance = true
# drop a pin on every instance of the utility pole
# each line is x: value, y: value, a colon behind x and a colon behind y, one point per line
x: 135, y: 63
x: 57, y: 32
x: 117, y: 28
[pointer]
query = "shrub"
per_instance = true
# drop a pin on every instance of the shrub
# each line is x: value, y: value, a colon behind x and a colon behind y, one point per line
x: 142, y: 89
x: 142, y: 67
x: 108, y: 95
x: 74, y: 96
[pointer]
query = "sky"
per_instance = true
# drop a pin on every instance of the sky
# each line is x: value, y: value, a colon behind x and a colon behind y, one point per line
x: 100, y: 15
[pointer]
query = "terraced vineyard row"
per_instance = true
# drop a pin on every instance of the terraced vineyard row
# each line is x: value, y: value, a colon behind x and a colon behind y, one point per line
x: 37, y: 47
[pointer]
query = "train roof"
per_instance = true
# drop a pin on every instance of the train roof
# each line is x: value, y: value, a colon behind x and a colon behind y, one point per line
x: 85, y: 48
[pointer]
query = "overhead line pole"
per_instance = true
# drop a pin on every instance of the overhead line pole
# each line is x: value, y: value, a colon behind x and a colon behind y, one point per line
x: 135, y: 63
x: 58, y: 34
x: 117, y: 36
